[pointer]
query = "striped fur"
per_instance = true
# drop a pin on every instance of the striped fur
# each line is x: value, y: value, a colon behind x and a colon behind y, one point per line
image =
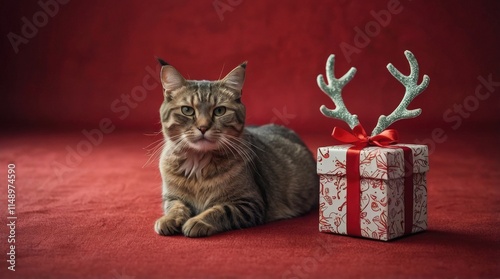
x: 218, y: 175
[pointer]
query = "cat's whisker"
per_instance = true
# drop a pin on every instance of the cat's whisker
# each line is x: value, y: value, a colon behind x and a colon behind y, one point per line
x: 155, y: 148
x: 153, y: 145
x: 245, y: 152
x: 222, y: 70
x: 154, y: 152
x: 153, y: 134
x: 242, y: 151
x: 226, y: 147
x: 248, y: 144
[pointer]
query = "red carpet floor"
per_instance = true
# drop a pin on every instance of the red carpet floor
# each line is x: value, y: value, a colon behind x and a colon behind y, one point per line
x: 86, y: 210
x: 92, y: 216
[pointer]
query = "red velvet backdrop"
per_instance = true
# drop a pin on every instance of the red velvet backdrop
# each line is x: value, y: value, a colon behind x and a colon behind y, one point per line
x: 77, y: 66
x: 71, y: 64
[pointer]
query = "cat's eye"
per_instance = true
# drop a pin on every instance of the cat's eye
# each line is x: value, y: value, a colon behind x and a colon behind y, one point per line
x: 219, y: 111
x: 188, y: 111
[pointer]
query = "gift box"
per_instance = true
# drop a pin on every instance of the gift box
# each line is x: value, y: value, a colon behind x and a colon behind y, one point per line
x: 372, y: 187
x: 392, y: 194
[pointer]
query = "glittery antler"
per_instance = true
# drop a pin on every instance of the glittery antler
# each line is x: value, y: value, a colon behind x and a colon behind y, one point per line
x: 334, y: 90
x: 413, y: 89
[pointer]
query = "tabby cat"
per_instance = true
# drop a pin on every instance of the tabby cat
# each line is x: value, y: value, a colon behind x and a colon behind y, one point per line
x: 219, y: 175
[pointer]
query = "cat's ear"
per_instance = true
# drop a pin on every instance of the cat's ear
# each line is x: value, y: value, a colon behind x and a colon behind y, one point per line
x: 236, y: 77
x: 170, y: 78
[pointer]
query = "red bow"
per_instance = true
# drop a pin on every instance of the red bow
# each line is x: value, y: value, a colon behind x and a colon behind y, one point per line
x: 359, y: 138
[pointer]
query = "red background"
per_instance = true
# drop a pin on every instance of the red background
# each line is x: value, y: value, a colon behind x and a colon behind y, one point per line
x: 91, y: 52
x: 87, y: 204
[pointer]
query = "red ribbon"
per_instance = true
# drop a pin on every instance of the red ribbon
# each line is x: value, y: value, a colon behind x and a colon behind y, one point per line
x: 360, y: 140
x: 359, y: 137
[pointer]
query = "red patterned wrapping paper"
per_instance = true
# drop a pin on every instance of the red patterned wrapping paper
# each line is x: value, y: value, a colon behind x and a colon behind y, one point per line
x: 382, y: 172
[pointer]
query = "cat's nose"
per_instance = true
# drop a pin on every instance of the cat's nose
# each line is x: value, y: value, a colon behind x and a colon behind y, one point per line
x: 203, y: 129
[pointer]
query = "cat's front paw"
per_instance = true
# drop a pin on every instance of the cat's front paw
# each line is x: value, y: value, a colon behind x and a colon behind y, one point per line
x: 166, y: 225
x: 196, y: 227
